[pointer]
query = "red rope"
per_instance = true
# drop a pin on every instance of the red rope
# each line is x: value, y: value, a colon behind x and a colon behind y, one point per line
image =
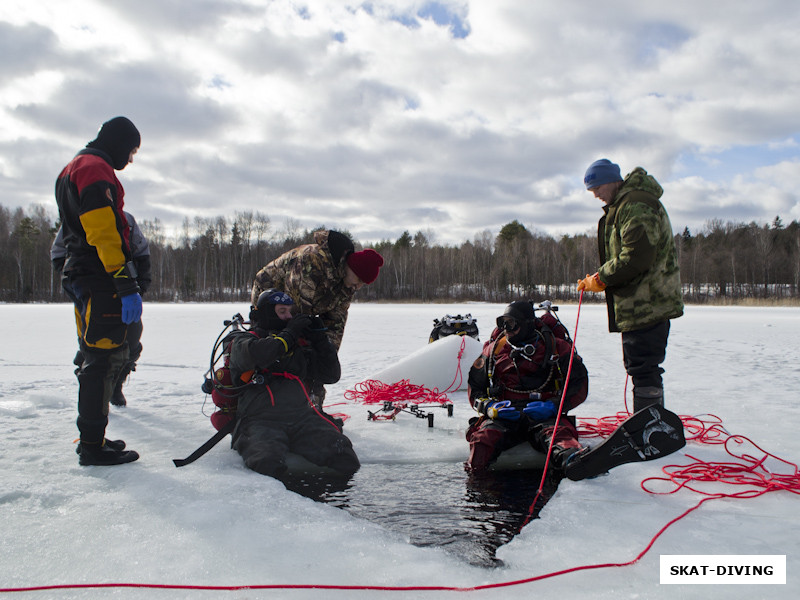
x: 756, y: 470
x: 752, y: 472
x: 602, y: 427
x: 402, y: 393
x: 558, y: 418
x: 459, y: 375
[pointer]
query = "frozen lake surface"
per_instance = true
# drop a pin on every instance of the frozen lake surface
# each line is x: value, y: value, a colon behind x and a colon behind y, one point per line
x: 215, y: 523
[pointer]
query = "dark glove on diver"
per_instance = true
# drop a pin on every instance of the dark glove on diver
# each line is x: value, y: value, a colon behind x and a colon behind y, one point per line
x: 317, y: 332
x: 296, y: 328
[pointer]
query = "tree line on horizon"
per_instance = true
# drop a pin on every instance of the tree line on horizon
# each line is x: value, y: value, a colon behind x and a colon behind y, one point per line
x: 216, y: 259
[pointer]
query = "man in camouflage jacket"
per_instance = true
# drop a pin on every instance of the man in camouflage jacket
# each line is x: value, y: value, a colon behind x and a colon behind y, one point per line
x: 314, y: 275
x: 639, y: 272
x: 322, y: 278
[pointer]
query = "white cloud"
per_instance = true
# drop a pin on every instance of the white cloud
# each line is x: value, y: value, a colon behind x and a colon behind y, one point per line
x: 388, y: 116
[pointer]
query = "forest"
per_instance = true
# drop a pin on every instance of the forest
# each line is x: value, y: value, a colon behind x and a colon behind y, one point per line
x: 216, y: 259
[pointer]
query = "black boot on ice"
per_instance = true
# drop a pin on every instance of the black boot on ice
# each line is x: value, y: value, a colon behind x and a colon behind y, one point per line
x: 117, y: 445
x: 647, y: 396
x: 104, y: 455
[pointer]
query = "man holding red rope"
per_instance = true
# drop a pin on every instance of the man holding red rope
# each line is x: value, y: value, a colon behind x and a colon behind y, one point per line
x: 639, y: 272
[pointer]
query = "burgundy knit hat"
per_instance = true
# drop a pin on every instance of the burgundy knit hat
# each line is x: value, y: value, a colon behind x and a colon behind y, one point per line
x: 365, y: 264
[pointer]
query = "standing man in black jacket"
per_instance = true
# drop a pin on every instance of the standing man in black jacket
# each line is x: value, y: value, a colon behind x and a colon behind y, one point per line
x: 140, y: 250
x: 100, y: 271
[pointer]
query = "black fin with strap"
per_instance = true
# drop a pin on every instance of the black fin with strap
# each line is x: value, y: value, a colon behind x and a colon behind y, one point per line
x: 651, y: 433
x: 213, y: 441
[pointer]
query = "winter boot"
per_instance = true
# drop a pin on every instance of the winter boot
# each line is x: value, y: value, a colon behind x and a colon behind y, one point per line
x: 117, y: 397
x: 647, y: 396
x: 103, y: 455
x: 117, y: 445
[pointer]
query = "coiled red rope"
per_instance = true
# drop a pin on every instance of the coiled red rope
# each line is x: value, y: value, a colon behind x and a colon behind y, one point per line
x: 373, y: 391
x: 395, y: 396
x: 756, y: 468
x: 403, y: 393
x: 755, y: 471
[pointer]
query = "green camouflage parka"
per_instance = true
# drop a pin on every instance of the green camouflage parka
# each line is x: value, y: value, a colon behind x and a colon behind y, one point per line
x: 313, y: 275
x: 638, y: 256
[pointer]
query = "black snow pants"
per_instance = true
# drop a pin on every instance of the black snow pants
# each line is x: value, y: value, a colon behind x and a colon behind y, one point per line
x: 265, y: 443
x: 103, y: 339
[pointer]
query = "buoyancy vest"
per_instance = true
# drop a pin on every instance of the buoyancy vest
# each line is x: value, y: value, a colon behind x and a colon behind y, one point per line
x: 535, y: 370
x: 227, y: 388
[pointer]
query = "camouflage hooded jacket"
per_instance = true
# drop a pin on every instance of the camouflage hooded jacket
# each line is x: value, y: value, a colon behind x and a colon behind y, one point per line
x: 638, y: 256
x: 313, y: 275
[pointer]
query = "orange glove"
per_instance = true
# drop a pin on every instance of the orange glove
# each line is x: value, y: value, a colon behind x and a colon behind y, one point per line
x: 591, y: 283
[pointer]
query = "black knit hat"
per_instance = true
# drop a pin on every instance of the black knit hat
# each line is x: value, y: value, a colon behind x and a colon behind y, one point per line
x: 520, y: 310
x: 117, y: 138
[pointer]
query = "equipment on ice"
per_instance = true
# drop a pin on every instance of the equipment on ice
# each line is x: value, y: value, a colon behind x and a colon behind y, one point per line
x: 420, y: 380
x: 454, y: 325
x: 442, y: 365
x: 653, y: 432
x: 391, y: 409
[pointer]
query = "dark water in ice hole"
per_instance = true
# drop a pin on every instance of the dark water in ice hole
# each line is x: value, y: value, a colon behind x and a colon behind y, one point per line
x: 438, y: 504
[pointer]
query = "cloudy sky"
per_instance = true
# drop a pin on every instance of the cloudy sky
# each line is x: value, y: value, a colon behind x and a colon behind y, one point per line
x: 451, y: 117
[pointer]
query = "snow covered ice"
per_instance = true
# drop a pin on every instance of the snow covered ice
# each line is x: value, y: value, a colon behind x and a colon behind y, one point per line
x: 216, y: 523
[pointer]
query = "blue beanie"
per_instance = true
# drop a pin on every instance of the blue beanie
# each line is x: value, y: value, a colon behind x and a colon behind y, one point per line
x: 600, y: 172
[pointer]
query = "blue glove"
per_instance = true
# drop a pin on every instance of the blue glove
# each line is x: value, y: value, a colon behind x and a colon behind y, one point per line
x: 131, y: 308
x: 502, y: 410
x: 540, y: 410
